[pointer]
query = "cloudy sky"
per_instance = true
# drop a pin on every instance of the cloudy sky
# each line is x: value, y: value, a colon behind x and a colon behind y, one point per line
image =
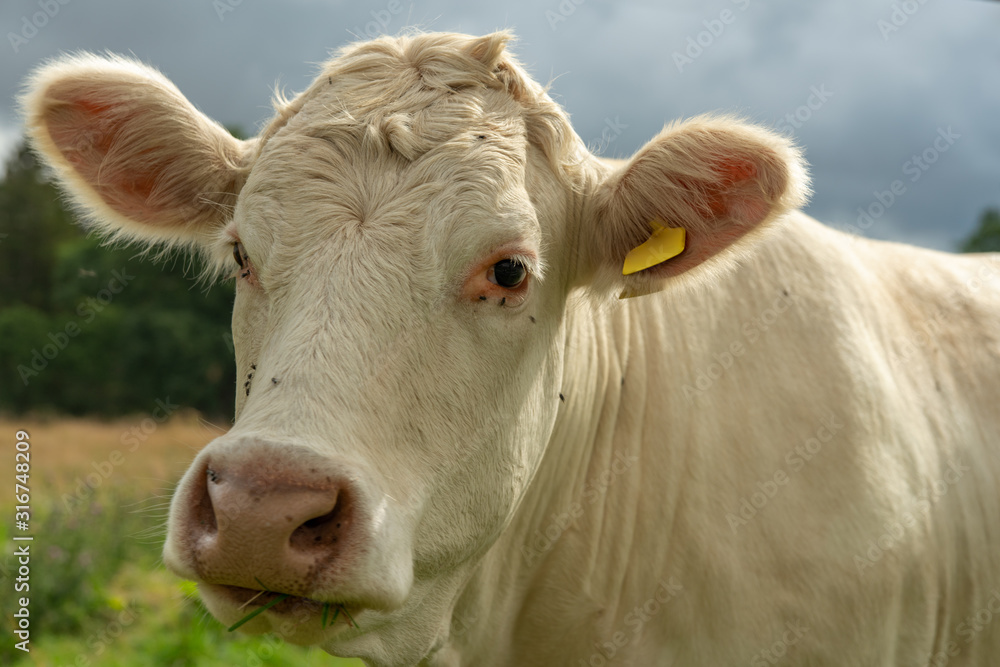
x: 876, y: 91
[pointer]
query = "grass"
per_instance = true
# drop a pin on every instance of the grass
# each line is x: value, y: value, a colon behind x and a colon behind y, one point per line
x: 284, y: 596
x: 259, y: 610
x: 99, y: 593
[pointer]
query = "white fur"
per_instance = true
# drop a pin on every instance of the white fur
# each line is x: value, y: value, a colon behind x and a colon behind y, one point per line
x: 563, y: 474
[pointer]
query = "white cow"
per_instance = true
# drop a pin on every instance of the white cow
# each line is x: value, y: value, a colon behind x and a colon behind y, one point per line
x: 456, y: 446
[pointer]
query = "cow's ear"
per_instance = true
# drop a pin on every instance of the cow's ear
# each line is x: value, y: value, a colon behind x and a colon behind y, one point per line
x: 717, y: 178
x: 136, y: 157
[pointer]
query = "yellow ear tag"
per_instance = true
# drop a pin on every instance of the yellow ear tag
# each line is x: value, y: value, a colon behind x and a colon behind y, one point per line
x: 664, y: 243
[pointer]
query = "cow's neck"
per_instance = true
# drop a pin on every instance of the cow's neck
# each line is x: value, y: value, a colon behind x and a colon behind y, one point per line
x: 565, y: 556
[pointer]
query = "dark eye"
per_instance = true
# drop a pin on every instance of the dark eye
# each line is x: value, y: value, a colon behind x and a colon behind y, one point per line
x: 239, y: 253
x: 507, y: 273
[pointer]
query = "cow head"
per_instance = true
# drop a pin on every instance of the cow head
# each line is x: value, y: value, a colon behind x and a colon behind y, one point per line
x: 406, y: 237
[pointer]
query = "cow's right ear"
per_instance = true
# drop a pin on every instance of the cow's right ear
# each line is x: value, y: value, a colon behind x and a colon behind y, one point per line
x: 133, y: 153
x: 718, y: 179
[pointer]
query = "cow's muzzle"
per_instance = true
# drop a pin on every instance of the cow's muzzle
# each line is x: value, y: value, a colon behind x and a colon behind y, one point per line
x: 253, y: 515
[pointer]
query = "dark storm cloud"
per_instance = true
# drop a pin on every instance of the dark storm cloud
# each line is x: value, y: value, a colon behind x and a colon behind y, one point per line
x: 865, y: 87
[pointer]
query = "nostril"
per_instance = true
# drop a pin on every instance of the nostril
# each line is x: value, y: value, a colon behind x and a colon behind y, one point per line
x: 204, y: 510
x: 324, y: 530
x: 320, y: 520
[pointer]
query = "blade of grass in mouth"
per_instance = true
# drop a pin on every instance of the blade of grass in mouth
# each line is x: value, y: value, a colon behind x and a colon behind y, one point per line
x: 326, y: 611
x: 285, y: 596
x: 259, y: 610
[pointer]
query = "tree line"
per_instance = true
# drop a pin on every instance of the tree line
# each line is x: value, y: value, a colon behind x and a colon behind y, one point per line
x: 90, y: 329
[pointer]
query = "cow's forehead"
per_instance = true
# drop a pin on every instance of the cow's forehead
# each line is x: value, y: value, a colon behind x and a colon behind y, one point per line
x: 476, y: 134
x: 407, y: 97
x: 376, y: 149
x: 441, y: 124
x: 419, y: 175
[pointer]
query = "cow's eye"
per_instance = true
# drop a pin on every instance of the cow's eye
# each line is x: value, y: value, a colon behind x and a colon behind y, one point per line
x: 507, y: 273
x: 239, y: 253
x: 246, y: 270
